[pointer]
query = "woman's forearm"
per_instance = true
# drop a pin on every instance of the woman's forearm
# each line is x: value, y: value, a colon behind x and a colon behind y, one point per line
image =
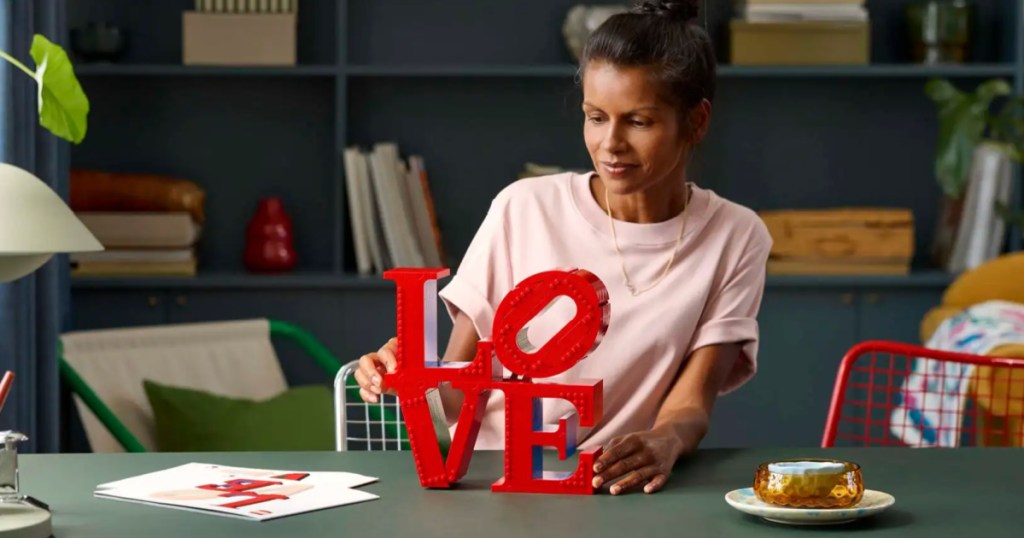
x: 452, y: 401
x: 688, y: 425
x: 685, y: 414
x: 461, y: 348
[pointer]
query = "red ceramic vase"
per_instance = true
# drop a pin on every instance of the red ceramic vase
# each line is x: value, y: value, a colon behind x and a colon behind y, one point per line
x: 269, y: 243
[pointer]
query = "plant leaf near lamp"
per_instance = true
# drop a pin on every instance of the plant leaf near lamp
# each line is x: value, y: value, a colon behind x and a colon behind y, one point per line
x: 63, y: 106
x: 967, y: 119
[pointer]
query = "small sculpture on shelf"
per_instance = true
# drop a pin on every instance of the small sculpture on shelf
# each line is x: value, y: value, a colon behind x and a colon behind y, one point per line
x: 581, y: 21
x: 270, y: 245
x: 99, y: 42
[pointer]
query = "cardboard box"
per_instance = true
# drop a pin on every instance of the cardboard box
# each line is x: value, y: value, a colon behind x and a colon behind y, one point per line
x: 799, y: 43
x: 238, y: 38
x: 840, y: 241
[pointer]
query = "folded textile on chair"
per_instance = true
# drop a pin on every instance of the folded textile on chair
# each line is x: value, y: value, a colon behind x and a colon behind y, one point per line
x: 931, y: 401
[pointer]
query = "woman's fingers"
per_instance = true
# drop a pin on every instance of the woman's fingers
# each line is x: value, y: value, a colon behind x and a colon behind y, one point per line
x: 635, y: 478
x: 632, y: 462
x: 656, y: 483
x: 616, y: 449
x: 368, y: 396
x: 365, y: 387
x: 619, y: 460
x: 386, y: 355
x: 371, y: 371
x: 361, y: 378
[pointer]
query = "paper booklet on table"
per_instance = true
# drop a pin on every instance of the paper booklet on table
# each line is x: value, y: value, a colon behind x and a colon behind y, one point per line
x: 255, y: 494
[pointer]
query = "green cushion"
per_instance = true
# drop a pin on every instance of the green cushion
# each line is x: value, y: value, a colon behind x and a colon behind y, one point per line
x: 188, y: 420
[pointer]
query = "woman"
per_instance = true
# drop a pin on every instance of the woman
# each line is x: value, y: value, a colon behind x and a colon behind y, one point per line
x: 684, y: 268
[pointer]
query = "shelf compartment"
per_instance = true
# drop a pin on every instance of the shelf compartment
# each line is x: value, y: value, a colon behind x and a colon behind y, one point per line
x: 171, y: 70
x: 240, y: 139
x: 724, y: 71
x: 872, y: 70
x: 467, y: 70
x: 238, y: 280
x: 154, y: 29
x: 923, y: 278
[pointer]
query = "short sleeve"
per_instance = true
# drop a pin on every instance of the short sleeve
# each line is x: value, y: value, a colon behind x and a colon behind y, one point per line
x: 484, y: 275
x: 730, y: 315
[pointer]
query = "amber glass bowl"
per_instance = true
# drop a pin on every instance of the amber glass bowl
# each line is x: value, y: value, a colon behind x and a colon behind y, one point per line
x: 809, y: 483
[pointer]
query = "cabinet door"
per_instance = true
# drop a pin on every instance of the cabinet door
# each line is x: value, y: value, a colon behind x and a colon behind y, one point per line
x: 895, y: 314
x: 106, y: 308
x: 804, y: 334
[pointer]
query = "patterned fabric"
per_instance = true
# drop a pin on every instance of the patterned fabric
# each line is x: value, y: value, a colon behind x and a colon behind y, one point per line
x: 932, y: 399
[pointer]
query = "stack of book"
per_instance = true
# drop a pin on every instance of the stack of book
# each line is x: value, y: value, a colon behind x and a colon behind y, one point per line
x: 792, y: 32
x: 139, y: 243
x: 149, y: 224
x: 391, y: 210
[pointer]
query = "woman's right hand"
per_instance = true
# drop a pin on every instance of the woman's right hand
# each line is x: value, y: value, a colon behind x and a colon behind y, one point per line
x: 372, y: 367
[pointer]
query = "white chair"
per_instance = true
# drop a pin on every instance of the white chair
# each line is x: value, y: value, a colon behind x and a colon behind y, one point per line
x: 105, y: 370
x: 365, y: 426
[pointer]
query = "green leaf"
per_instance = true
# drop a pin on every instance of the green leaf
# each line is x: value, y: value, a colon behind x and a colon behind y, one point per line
x: 940, y: 90
x: 962, y: 121
x: 1006, y: 148
x: 63, y: 106
x: 991, y: 89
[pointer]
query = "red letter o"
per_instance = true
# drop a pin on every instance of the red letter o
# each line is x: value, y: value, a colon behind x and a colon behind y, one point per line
x: 573, y: 342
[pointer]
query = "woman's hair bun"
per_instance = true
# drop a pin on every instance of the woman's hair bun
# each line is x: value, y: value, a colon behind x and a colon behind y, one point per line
x: 681, y: 10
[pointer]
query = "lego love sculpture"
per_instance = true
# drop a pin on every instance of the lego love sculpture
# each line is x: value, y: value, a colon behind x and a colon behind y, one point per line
x: 440, y: 461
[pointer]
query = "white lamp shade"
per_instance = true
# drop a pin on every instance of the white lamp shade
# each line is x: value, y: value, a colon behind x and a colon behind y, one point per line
x: 35, y: 224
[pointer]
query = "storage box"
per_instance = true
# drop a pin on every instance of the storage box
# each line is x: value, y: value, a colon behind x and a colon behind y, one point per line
x: 841, y: 241
x: 238, y: 38
x: 799, y: 43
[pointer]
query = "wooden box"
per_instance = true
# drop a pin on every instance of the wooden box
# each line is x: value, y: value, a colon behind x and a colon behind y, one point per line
x: 233, y: 39
x: 799, y: 43
x: 840, y: 241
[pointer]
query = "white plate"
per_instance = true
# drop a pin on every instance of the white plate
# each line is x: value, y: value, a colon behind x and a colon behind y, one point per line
x: 747, y: 502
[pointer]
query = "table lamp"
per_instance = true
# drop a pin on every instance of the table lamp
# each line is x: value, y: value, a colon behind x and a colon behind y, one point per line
x: 35, y: 224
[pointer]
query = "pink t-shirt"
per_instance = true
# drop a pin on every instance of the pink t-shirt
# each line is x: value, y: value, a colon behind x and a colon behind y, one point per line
x: 711, y: 294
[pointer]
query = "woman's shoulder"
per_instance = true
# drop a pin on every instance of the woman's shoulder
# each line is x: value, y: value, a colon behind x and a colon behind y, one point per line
x: 739, y: 223
x: 550, y: 189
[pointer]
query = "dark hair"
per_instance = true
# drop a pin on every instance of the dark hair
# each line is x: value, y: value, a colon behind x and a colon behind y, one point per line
x: 664, y: 36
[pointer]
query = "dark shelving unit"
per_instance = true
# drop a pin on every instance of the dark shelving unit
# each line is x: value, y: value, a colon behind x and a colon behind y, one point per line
x: 478, y: 89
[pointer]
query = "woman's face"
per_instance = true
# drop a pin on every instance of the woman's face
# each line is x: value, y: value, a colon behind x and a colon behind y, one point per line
x: 635, y: 139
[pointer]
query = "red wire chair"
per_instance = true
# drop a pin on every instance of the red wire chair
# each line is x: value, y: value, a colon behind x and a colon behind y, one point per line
x: 894, y: 394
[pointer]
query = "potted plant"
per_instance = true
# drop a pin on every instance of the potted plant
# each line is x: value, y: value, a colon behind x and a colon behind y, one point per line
x: 989, y: 119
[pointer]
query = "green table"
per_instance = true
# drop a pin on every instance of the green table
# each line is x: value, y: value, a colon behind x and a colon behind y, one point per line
x: 939, y: 492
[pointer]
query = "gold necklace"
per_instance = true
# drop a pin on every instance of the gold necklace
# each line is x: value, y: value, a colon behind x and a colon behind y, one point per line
x: 622, y: 262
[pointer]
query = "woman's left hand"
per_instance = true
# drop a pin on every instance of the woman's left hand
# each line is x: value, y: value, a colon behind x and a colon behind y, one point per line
x: 638, y: 459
